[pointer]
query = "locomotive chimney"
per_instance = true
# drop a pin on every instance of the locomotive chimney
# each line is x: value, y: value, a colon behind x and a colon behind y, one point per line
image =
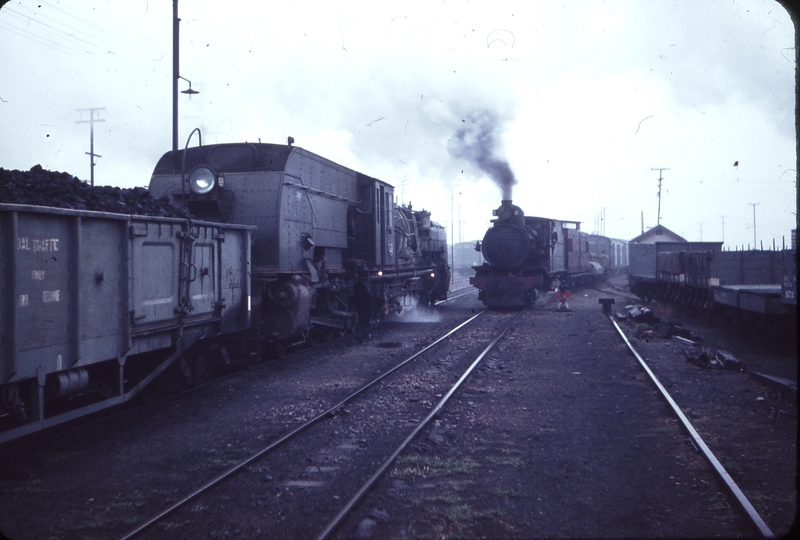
x: 509, y: 212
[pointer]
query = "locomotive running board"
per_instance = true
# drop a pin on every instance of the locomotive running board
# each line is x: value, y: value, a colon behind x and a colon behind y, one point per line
x: 183, y: 344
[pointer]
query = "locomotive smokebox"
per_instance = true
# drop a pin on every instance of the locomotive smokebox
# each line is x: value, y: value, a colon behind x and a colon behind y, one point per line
x: 507, y: 243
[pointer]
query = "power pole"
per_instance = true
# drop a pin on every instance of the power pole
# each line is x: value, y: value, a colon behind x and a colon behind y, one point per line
x: 459, y: 223
x: 603, y: 220
x: 402, y: 188
x: 91, y: 122
x: 660, y: 170
x: 452, y: 237
x: 754, y: 222
x: 723, y: 228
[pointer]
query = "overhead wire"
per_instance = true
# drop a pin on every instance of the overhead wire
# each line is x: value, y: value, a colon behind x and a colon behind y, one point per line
x: 81, y: 39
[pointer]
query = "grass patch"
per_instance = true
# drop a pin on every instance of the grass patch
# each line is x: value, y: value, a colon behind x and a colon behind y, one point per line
x: 507, y: 461
x: 415, y: 466
x: 506, y: 493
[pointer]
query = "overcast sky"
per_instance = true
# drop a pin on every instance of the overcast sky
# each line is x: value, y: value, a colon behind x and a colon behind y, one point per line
x: 581, y: 101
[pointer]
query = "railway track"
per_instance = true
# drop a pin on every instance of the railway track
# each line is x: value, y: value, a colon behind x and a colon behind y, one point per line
x: 610, y: 288
x: 345, y: 408
x: 547, y: 437
x: 699, y: 443
x: 153, y: 396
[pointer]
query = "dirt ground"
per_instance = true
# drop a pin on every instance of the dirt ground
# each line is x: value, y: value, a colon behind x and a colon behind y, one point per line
x: 558, y: 434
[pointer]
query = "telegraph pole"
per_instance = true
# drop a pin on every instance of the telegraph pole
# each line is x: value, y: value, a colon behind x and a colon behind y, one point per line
x: 176, y: 24
x: 603, y: 220
x: 660, y: 170
x: 91, y: 122
x: 452, y: 237
x: 754, y: 222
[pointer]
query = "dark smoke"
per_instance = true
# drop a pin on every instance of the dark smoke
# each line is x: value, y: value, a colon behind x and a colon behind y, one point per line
x: 476, y: 142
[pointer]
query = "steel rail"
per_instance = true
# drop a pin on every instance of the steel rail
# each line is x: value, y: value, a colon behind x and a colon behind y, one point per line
x: 616, y: 291
x: 385, y: 465
x: 328, y: 412
x: 700, y: 444
x: 440, y: 302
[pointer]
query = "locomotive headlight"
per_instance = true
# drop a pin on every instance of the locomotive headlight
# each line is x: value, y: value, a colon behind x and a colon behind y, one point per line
x: 202, y: 180
x: 433, y: 274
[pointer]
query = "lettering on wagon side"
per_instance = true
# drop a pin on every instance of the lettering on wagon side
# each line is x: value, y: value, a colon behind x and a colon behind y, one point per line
x: 37, y: 244
x: 50, y: 296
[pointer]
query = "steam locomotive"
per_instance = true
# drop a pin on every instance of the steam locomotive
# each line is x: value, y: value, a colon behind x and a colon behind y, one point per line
x: 528, y: 255
x: 283, y: 247
x: 331, y: 250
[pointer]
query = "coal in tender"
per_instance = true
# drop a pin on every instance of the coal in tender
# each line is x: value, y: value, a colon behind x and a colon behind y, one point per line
x: 40, y: 187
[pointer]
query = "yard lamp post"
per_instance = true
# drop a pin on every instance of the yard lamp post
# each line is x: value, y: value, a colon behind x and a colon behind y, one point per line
x: 176, y: 75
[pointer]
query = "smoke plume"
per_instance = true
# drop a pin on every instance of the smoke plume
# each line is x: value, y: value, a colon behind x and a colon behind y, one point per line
x: 476, y: 142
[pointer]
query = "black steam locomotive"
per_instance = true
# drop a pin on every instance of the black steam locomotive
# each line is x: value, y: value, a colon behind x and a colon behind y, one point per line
x: 527, y: 255
x: 331, y: 250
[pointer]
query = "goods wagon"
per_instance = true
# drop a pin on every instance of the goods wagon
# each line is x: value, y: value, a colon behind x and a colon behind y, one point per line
x: 93, y: 305
x: 735, y: 285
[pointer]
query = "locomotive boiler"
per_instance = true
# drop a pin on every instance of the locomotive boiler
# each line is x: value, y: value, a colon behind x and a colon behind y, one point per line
x: 527, y: 255
x: 331, y: 250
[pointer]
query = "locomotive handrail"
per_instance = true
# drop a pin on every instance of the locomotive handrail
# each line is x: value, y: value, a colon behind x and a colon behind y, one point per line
x: 183, y: 159
x: 319, y: 192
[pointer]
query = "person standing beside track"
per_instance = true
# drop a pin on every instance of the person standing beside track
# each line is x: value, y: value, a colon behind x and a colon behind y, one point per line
x: 562, y: 295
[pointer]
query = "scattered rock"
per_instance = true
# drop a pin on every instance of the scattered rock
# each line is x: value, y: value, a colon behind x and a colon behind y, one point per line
x: 379, y: 514
x: 366, y: 528
x: 706, y: 357
x: 641, y: 314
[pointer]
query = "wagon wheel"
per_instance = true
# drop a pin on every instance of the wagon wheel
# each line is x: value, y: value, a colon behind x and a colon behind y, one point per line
x: 279, y: 349
x: 13, y: 402
x: 314, y: 339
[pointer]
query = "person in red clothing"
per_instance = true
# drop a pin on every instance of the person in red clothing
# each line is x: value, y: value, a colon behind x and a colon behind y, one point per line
x: 562, y: 295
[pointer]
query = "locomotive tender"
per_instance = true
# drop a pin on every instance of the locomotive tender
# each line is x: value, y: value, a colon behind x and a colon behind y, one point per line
x: 331, y: 251
x: 527, y: 255
x: 283, y: 247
